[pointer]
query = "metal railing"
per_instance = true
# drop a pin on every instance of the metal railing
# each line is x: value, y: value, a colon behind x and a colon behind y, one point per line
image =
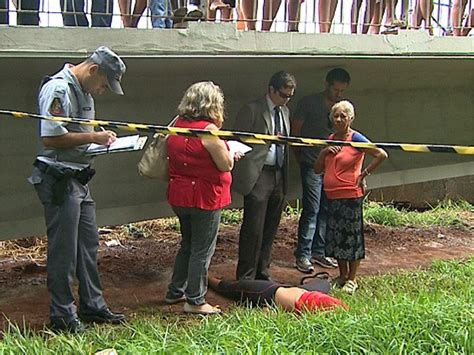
x: 438, y: 17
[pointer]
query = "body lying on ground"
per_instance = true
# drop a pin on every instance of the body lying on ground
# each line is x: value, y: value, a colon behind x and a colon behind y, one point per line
x: 260, y: 293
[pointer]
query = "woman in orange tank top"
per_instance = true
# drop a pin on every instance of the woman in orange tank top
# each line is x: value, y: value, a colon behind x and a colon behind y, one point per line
x: 344, y: 185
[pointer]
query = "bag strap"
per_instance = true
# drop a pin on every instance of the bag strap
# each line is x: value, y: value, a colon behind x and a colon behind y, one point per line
x: 171, y: 124
x: 173, y: 121
x: 319, y: 275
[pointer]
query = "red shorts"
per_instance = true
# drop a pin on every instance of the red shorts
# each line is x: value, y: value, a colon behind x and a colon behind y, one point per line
x: 312, y: 300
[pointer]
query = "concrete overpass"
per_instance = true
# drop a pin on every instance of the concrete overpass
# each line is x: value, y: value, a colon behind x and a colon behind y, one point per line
x: 406, y: 88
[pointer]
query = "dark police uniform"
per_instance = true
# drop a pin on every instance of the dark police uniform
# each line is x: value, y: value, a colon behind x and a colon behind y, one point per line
x: 60, y: 178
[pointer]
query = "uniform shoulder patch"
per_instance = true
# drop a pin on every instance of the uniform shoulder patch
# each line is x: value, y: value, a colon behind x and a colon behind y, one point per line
x: 56, y: 107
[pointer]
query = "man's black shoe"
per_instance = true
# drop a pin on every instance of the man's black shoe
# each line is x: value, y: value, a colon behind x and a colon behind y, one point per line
x: 103, y: 316
x: 73, y: 325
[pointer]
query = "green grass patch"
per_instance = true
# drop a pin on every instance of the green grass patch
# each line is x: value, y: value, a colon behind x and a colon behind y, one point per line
x: 232, y: 216
x: 446, y: 214
x: 410, y: 312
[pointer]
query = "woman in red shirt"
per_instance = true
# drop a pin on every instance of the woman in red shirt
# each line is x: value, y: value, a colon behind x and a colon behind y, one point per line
x: 198, y: 189
x: 344, y: 185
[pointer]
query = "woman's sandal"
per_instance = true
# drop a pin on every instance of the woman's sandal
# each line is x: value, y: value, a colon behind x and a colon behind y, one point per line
x: 401, y: 24
x: 204, y: 309
x: 389, y: 30
x: 337, y: 282
x: 350, y: 287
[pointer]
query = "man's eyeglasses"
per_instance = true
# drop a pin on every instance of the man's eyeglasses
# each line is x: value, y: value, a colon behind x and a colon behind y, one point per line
x: 285, y: 96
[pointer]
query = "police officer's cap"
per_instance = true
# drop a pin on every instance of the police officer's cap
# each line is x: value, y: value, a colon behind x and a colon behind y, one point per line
x: 111, y: 64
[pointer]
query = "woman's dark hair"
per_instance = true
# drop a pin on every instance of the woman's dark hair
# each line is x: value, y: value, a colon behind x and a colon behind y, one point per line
x: 339, y: 75
x: 282, y: 79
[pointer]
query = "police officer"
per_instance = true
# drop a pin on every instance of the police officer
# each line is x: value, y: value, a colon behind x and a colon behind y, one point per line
x: 60, y: 176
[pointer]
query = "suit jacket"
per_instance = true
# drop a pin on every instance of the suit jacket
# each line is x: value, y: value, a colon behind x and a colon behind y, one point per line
x: 255, y: 117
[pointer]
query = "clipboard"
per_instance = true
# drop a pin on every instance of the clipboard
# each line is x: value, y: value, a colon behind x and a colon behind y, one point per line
x: 121, y: 144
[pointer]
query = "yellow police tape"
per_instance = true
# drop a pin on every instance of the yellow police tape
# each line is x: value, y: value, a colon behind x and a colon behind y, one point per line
x: 250, y: 138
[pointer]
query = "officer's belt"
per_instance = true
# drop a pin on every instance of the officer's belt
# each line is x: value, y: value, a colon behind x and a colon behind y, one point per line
x: 56, y: 170
x: 62, y: 175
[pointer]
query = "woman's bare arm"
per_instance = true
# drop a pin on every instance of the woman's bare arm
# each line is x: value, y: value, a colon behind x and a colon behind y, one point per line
x: 218, y: 151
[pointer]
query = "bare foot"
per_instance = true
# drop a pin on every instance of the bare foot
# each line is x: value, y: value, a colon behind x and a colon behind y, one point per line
x: 205, y: 308
x: 218, y: 4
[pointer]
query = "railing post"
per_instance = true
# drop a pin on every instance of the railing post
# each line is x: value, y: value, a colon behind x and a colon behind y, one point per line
x: 204, y: 6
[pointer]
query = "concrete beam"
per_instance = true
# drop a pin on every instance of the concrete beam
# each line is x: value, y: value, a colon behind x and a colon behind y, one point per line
x: 221, y: 39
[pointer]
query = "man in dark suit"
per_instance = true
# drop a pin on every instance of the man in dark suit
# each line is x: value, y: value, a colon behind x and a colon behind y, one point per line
x: 262, y: 176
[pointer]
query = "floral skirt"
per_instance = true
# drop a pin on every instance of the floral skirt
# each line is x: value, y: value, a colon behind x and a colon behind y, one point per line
x: 345, y: 230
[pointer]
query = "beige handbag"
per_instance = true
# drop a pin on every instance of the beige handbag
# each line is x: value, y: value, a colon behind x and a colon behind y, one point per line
x: 154, y: 162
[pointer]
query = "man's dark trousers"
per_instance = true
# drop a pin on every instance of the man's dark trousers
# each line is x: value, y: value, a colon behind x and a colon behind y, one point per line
x: 262, y: 213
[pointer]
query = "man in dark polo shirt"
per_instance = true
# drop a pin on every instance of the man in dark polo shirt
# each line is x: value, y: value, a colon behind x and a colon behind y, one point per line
x: 311, y: 119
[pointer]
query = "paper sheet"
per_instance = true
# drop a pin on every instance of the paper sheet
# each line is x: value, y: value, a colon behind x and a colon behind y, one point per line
x: 236, y: 146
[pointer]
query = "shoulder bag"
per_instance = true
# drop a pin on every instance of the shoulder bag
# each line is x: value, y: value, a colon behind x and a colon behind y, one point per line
x: 154, y: 162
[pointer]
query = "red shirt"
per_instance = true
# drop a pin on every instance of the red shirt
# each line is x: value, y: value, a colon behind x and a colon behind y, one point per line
x: 312, y: 300
x: 341, y: 171
x: 195, y: 180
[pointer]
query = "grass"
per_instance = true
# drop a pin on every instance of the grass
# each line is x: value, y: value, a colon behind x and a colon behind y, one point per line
x: 446, y: 214
x: 410, y: 312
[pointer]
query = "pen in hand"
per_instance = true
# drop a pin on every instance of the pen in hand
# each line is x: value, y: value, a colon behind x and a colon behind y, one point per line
x: 109, y: 142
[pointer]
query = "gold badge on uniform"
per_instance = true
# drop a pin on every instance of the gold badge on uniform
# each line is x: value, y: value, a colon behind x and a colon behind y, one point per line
x: 56, y: 107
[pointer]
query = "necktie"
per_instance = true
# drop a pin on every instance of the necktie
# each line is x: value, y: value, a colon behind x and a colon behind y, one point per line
x: 279, y: 131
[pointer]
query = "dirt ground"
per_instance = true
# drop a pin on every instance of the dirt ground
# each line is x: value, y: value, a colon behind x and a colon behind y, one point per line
x: 136, y: 272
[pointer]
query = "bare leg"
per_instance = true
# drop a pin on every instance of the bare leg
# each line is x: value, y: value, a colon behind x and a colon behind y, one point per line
x: 332, y: 12
x: 469, y: 23
x: 356, y: 4
x: 249, y: 10
x: 426, y: 8
x: 369, y: 13
x: 294, y: 15
x: 324, y: 16
x: 240, y: 16
x: 226, y: 14
x: 353, y: 267
x: 390, y: 18
x: 456, y: 16
x: 211, y: 14
x: 270, y: 9
x: 417, y: 17
x: 125, y: 7
x: 140, y: 6
x: 376, y: 18
x: 343, y: 269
